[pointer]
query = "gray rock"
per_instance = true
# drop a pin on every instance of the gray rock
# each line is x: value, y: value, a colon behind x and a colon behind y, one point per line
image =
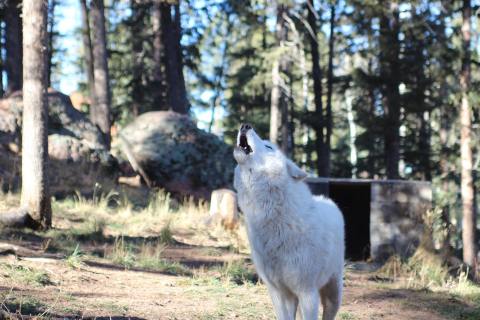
x: 78, y: 159
x: 63, y: 118
x: 178, y: 156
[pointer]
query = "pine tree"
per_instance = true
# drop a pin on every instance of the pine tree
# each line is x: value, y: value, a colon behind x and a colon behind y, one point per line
x: 100, y: 111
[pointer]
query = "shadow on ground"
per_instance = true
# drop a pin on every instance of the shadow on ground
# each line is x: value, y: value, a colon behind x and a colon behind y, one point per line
x: 443, y: 304
x: 59, y: 243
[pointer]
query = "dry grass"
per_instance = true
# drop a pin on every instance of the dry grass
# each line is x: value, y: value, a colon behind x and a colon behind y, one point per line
x: 114, y: 215
x: 423, y: 270
x: 427, y: 272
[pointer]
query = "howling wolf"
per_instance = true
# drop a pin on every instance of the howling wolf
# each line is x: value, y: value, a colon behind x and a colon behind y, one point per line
x: 297, y: 241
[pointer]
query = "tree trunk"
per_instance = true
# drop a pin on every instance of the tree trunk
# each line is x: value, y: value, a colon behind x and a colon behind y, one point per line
x: 100, y: 113
x: 289, y: 129
x: 2, y: 62
x: 159, y: 78
x: 171, y: 29
x: 419, y: 90
x: 389, y: 73
x: 329, y: 120
x: 35, y: 192
x: 279, y: 101
x: 13, y: 45
x: 317, y: 90
x: 352, y: 132
x: 218, y: 87
x: 137, y: 27
x: 425, y: 144
x: 372, y: 98
x: 275, y: 101
x: 286, y: 143
x: 88, y: 51
x: 444, y: 133
x: 468, y: 204
x: 306, y: 154
x: 51, y: 37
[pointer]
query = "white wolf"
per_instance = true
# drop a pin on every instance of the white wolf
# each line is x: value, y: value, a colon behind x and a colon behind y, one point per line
x: 297, y: 241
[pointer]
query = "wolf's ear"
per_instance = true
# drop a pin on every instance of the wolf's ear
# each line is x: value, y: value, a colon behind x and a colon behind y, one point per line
x: 294, y: 171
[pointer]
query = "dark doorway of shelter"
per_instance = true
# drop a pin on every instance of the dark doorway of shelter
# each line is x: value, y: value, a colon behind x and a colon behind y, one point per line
x: 354, y: 201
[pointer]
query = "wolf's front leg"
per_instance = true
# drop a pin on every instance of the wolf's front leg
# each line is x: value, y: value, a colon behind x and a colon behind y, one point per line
x: 284, y: 303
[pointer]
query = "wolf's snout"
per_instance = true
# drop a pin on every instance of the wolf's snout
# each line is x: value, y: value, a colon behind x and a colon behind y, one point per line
x: 245, y: 127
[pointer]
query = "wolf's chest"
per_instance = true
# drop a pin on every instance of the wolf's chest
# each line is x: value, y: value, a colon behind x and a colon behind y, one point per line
x: 273, y: 250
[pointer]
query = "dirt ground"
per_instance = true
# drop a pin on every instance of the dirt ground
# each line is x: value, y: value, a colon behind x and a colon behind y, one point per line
x: 102, y: 289
x: 173, y: 266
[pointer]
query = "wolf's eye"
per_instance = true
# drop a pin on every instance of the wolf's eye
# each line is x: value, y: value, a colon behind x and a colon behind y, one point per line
x: 267, y: 146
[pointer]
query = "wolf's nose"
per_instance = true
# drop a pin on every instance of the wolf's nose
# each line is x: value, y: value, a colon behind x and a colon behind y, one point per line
x: 245, y: 127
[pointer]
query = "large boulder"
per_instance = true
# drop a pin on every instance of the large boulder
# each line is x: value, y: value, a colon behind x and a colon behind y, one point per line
x: 178, y: 156
x: 78, y: 159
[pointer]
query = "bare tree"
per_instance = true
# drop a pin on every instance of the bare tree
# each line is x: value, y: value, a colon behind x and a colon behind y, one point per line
x: 100, y: 113
x: 13, y: 45
x: 88, y: 51
x: 35, y: 192
x: 468, y: 204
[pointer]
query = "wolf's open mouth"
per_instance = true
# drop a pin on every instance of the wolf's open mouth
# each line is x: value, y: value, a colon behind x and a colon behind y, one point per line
x: 244, y: 144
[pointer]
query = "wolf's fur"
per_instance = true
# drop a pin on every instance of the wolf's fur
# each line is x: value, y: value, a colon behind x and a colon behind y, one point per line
x: 297, y: 241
